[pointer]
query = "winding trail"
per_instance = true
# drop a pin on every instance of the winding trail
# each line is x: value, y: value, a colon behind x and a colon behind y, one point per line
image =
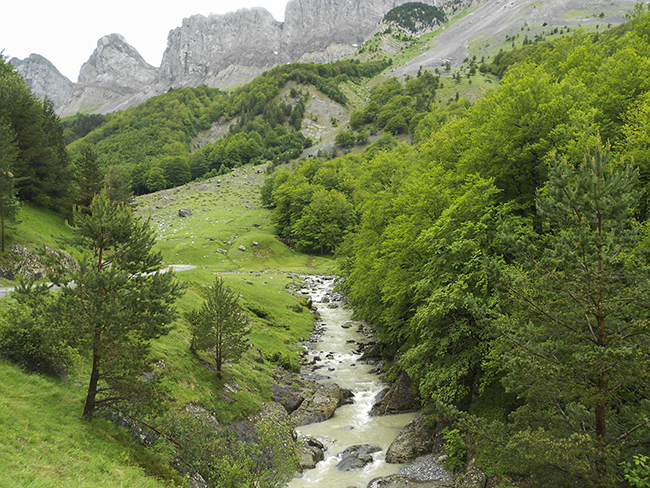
x: 6, y: 291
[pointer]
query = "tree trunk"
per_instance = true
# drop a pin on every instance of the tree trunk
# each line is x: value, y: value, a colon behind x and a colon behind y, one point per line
x: 89, y: 408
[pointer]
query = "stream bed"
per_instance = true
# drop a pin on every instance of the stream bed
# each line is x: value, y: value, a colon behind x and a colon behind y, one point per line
x: 333, y: 351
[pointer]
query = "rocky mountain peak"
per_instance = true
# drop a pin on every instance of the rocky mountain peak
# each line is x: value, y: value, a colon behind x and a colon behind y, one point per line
x: 43, y: 78
x: 204, y: 46
x: 116, y: 64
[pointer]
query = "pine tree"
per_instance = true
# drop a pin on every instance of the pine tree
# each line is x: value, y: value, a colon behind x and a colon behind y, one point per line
x: 219, y: 326
x: 116, y: 304
x: 576, y: 340
x: 8, y: 200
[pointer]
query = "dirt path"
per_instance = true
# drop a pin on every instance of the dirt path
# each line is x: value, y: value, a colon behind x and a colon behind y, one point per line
x: 7, y: 290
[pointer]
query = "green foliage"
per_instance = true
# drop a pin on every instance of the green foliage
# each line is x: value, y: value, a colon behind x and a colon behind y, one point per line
x: 26, y: 339
x: 114, y: 305
x: 456, y: 450
x: 637, y: 472
x: 40, y: 167
x: 264, y: 455
x: 46, y: 443
x: 412, y: 15
x: 575, y: 339
x: 219, y: 326
x: 8, y: 201
x: 79, y: 125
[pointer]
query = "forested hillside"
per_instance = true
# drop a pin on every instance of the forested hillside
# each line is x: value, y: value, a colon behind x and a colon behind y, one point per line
x: 503, y: 256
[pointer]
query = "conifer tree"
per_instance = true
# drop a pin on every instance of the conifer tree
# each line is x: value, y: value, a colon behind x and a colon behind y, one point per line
x: 219, y: 326
x: 8, y: 200
x: 116, y: 304
x: 576, y: 345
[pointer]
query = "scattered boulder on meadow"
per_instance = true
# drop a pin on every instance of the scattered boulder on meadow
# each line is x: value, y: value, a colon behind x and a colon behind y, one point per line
x: 184, y: 212
x: 415, y: 439
x: 399, y: 398
x: 241, y: 248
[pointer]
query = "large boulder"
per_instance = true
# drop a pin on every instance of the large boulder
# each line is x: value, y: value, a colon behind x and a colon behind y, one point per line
x: 311, y: 452
x: 356, y: 457
x: 320, y: 406
x: 290, y: 397
x: 401, y: 481
x: 415, y: 439
x: 399, y: 398
x: 473, y: 478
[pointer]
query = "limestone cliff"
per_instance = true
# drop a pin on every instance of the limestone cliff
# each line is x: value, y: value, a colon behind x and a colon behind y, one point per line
x: 44, y: 79
x: 114, y: 77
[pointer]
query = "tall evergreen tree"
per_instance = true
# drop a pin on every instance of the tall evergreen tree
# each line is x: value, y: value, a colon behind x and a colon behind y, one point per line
x: 116, y: 303
x: 8, y: 200
x: 576, y: 346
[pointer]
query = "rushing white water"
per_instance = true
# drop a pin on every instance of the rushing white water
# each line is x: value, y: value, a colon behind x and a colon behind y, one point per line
x: 351, y: 424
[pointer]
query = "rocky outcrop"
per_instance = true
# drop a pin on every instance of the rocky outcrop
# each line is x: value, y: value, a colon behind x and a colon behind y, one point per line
x: 415, y: 439
x: 220, y: 51
x: 399, y: 398
x: 320, y: 406
x: 202, y: 47
x: 26, y: 263
x: 400, y: 481
x: 43, y: 79
x: 312, y: 451
x: 114, y: 77
x: 290, y: 397
x: 356, y: 457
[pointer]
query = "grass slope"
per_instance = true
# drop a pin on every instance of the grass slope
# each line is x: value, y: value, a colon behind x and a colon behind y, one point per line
x: 45, y: 442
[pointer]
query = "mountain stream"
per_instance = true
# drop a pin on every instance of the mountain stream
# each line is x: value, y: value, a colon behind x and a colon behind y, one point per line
x: 351, y: 424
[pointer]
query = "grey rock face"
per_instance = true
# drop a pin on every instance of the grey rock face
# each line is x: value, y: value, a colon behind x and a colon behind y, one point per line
x: 415, y: 439
x: 315, y: 25
x: 43, y: 79
x: 204, y: 46
x: 400, y: 481
x: 115, y: 77
x: 398, y: 398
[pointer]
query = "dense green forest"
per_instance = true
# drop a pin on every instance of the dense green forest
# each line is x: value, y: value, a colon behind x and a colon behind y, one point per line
x: 153, y: 143
x: 502, y: 257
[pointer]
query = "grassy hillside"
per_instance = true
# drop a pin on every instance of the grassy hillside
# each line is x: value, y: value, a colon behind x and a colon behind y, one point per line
x: 47, y: 444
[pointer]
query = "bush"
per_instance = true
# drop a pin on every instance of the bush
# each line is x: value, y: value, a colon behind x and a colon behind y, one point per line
x: 456, y: 450
x: 26, y: 339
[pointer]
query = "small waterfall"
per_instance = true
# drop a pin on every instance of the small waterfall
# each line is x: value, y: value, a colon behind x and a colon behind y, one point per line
x: 351, y: 424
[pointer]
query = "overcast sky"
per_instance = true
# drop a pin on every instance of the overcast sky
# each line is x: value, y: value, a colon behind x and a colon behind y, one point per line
x: 66, y: 31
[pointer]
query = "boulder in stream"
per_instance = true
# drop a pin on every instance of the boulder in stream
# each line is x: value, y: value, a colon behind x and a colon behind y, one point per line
x: 415, y: 439
x: 311, y: 452
x: 399, y: 398
x: 356, y: 457
x: 320, y: 406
